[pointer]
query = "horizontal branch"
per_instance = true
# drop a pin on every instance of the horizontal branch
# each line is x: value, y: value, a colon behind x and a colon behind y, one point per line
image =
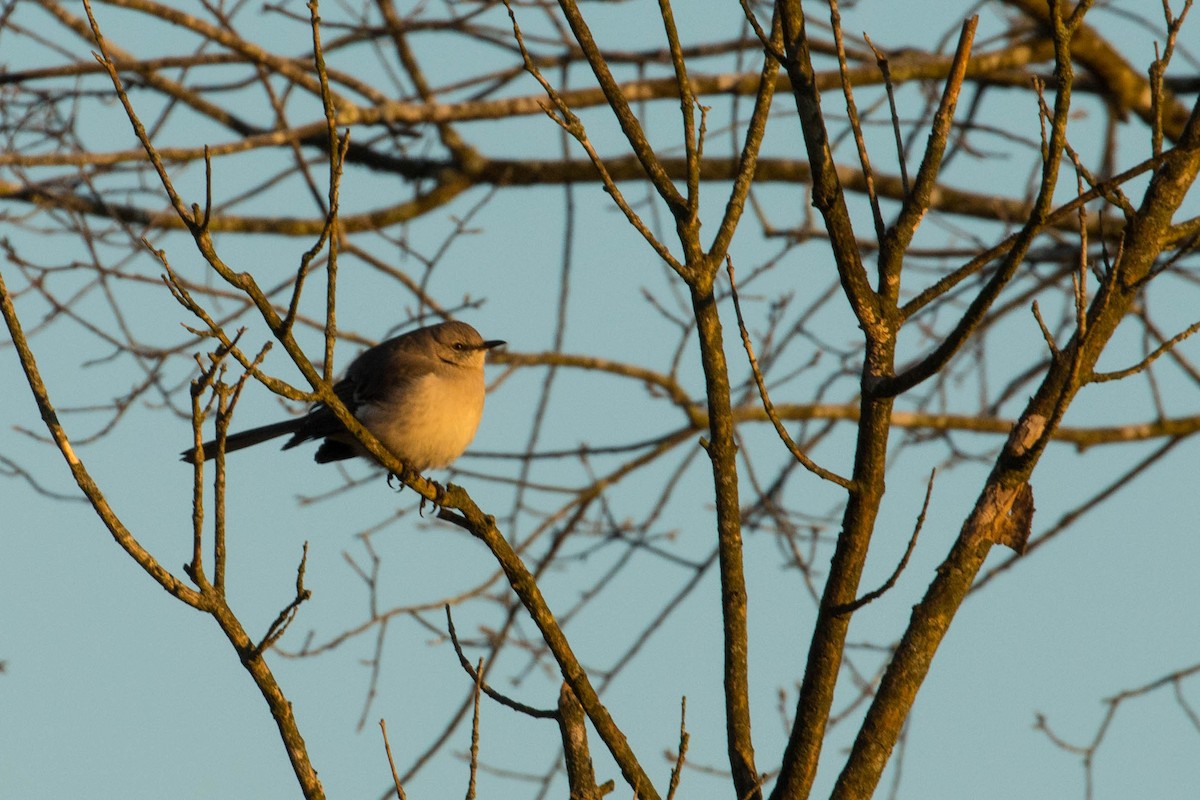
x: 512, y: 173
x: 1002, y: 67
x: 1081, y: 437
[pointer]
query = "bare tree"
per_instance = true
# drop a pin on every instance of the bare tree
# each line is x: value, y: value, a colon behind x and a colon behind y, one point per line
x: 1001, y: 265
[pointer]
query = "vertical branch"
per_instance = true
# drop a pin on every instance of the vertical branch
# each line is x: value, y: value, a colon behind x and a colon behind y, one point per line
x: 337, y: 151
x: 224, y: 417
x: 199, y: 388
x: 581, y: 775
x: 700, y: 271
x: 1158, y: 69
x: 687, y: 104
x: 826, y: 650
x: 474, y: 760
x: 722, y: 452
x: 226, y: 399
x: 681, y: 755
x: 722, y: 446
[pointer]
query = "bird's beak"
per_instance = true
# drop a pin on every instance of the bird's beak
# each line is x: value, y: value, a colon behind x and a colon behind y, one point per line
x: 488, y: 345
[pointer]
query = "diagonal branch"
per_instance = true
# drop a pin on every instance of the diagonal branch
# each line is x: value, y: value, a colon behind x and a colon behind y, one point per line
x: 827, y: 192
x: 524, y: 584
x: 916, y: 204
x: 748, y: 160
x: 83, y: 478
x: 621, y: 108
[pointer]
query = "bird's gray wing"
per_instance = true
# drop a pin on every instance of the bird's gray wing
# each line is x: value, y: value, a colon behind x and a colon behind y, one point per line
x: 371, y: 378
x: 379, y: 372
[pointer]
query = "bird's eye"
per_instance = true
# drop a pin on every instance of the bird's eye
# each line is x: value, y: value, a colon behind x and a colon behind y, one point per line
x: 459, y: 346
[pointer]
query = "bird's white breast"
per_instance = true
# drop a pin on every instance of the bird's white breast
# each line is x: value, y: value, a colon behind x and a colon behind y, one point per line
x: 429, y: 422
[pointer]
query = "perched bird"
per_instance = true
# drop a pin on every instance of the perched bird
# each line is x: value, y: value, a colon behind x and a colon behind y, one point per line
x: 420, y: 394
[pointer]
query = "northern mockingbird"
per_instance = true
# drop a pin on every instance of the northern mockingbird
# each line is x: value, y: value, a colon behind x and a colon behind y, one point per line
x: 420, y: 393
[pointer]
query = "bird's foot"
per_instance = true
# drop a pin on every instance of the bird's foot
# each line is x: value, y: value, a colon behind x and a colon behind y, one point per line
x: 439, y: 499
x: 394, y: 477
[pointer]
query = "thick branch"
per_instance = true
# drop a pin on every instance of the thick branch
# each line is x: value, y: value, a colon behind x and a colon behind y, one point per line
x: 722, y: 452
x: 953, y: 579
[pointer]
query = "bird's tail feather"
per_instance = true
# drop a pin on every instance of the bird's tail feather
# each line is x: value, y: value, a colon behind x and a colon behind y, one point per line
x: 242, y: 439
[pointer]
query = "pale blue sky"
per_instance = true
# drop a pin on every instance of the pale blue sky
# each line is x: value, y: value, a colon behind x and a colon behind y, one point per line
x: 112, y: 689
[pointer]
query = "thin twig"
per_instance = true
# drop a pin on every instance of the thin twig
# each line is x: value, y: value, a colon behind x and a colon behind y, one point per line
x: 872, y: 596
x: 864, y: 159
x: 504, y: 700
x: 1046, y: 334
x: 474, y: 761
x: 570, y: 122
x: 885, y: 69
x: 284, y: 618
x: 768, y: 406
x: 681, y: 756
x: 1165, y: 347
x: 391, y: 762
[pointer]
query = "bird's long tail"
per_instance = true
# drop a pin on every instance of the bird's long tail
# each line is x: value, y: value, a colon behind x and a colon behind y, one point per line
x: 242, y: 439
